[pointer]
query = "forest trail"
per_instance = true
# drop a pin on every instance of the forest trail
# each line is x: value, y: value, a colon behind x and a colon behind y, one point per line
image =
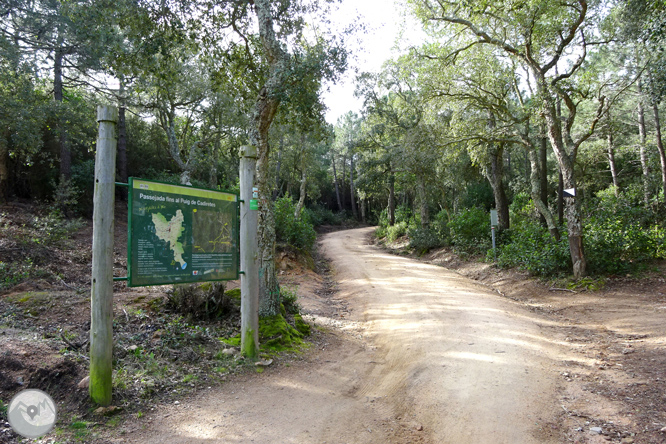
x: 428, y: 356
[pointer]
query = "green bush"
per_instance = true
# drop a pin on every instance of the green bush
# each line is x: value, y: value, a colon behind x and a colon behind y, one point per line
x: 397, y: 230
x: 318, y: 216
x: 530, y: 246
x: 470, y: 231
x: 295, y: 231
x: 440, y: 224
x: 424, y: 239
x: 621, y: 234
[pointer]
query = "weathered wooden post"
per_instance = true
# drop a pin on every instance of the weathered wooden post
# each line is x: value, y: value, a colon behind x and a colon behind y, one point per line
x: 101, y: 297
x: 249, y: 263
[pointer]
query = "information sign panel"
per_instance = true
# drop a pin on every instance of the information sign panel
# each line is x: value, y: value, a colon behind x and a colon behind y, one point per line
x: 179, y: 234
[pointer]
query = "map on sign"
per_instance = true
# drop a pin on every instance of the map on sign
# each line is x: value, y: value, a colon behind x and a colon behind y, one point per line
x: 170, y: 231
x: 179, y: 234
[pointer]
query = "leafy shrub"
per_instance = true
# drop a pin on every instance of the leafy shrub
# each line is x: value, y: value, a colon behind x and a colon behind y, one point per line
x: 440, y: 224
x: 470, y: 231
x: 295, y: 231
x: 83, y: 180
x: 397, y: 230
x: 53, y: 229
x: 621, y: 234
x: 479, y: 195
x: 424, y: 239
x: 318, y: 216
x: 530, y: 247
x: 289, y: 300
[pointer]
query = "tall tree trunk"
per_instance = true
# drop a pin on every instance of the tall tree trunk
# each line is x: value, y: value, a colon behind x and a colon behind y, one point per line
x: 495, y: 175
x: 265, y: 107
x: 560, y: 198
x: 351, y: 188
x: 304, y: 178
x: 363, y: 210
x: 4, y: 167
x: 643, y: 146
x: 535, y: 192
x: 543, y: 176
x: 214, y: 157
x: 611, y: 158
x: 276, y: 190
x: 660, y: 147
x: 572, y: 205
x: 391, y: 201
x: 344, y: 182
x: 122, y: 143
x: 423, y: 203
x: 335, y: 181
x: 65, y: 153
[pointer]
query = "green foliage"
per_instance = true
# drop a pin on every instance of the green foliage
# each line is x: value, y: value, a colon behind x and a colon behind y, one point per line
x: 3, y: 410
x: 470, y: 231
x: 529, y: 246
x: 289, y: 299
x: 53, y: 229
x: 424, y: 239
x: 295, y: 231
x: 319, y: 215
x: 436, y: 235
x: 396, y: 231
x: 83, y: 181
x: 440, y: 224
x: 13, y: 273
x: 621, y: 234
x: 479, y: 195
x: 66, y: 196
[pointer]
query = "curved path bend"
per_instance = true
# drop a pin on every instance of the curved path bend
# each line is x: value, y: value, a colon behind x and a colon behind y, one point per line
x: 441, y: 360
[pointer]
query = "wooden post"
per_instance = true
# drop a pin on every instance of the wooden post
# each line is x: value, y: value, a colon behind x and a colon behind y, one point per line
x: 101, y: 298
x: 249, y: 250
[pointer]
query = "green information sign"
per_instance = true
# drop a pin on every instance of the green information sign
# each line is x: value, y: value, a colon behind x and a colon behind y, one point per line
x: 179, y: 234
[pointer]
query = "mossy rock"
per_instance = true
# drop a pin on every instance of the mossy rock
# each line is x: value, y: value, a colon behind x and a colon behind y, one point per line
x: 277, y: 335
x: 301, y: 325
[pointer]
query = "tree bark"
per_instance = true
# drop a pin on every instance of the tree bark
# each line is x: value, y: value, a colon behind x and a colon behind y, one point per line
x: 536, y: 196
x: 560, y: 198
x: 265, y: 107
x: 571, y: 205
x: 660, y: 147
x: 65, y: 153
x: 276, y: 190
x: 543, y: 152
x: 122, y: 143
x: 335, y: 181
x: 643, y: 145
x: 351, y: 188
x: 304, y: 178
x: 4, y: 169
x: 423, y: 203
x: 391, y: 201
x: 363, y: 210
x: 344, y: 179
x: 611, y: 159
x: 495, y: 175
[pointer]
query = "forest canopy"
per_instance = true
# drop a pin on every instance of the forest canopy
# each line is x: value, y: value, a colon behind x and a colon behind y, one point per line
x: 503, y: 105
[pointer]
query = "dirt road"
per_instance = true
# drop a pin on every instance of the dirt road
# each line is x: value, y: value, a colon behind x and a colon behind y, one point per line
x: 426, y: 356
